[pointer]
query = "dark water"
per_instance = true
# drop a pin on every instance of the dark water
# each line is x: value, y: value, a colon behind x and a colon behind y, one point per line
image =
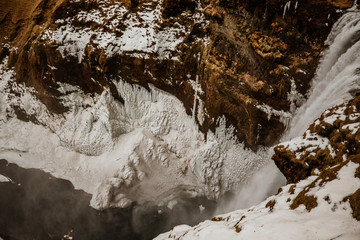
x: 38, y: 206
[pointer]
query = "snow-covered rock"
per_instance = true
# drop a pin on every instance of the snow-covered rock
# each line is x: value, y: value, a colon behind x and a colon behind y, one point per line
x: 144, y: 149
x: 322, y: 198
x: 314, y: 208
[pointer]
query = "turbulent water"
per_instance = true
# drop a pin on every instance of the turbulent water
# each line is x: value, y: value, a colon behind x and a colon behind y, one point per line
x: 338, y: 76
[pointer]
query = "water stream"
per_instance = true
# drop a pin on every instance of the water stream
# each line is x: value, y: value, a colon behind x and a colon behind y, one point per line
x: 338, y: 75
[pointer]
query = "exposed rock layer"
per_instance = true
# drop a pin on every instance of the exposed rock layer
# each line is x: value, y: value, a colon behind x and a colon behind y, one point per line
x: 330, y: 143
x: 340, y: 126
x: 254, y: 50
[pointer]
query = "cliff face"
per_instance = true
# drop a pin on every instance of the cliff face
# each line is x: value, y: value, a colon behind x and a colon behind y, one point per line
x: 240, y: 59
x: 321, y: 199
x: 330, y: 143
x: 337, y: 131
x: 98, y: 79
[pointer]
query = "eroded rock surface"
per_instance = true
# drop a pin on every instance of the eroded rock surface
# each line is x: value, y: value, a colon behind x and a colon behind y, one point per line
x: 329, y: 141
x: 321, y: 199
x: 233, y: 58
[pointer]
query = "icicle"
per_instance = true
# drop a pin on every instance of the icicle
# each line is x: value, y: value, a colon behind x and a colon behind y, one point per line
x: 354, y: 6
x: 286, y: 7
x: 195, y: 98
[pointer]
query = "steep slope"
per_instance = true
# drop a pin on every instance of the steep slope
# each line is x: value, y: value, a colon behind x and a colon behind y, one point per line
x: 329, y: 141
x: 145, y: 101
x: 235, y: 59
x: 322, y: 206
x: 322, y: 166
x: 322, y: 198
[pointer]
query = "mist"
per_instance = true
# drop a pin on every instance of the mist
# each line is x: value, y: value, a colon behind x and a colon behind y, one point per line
x: 262, y: 184
x: 39, y: 206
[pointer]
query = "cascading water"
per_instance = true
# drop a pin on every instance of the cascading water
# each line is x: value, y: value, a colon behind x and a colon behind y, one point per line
x: 336, y: 81
x: 338, y: 75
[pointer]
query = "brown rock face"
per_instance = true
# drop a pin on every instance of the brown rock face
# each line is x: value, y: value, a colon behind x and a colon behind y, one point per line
x: 243, y: 53
x: 344, y: 144
x: 172, y: 8
x: 306, y: 157
x: 355, y: 204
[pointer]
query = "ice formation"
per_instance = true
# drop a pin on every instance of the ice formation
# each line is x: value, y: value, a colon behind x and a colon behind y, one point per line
x: 330, y: 215
x: 4, y: 179
x: 147, y: 149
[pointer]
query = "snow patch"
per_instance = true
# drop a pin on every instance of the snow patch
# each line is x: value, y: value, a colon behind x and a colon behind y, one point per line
x: 311, y: 142
x: 3, y: 179
x: 284, y: 116
x: 352, y: 127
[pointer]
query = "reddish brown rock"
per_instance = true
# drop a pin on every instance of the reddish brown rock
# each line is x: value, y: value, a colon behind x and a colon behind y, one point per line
x: 239, y: 70
x: 344, y: 145
x: 355, y: 204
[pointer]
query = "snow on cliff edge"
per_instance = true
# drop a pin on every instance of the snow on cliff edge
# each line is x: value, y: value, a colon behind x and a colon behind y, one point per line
x: 325, y: 214
x: 143, y: 150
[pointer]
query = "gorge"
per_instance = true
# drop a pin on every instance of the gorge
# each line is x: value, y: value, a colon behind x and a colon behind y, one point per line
x: 160, y: 113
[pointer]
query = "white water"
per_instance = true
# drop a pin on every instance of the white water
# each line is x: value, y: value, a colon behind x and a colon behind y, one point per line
x: 337, y: 77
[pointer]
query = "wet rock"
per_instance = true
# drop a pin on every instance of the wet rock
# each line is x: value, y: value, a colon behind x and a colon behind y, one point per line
x: 171, y: 8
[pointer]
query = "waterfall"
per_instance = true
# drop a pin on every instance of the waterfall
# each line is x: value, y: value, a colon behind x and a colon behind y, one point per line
x: 336, y: 80
x: 338, y: 75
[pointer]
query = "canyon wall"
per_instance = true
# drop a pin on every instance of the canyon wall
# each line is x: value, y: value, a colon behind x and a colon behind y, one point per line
x: 250, y: 61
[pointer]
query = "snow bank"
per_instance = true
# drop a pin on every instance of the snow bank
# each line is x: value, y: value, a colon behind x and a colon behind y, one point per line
x: 330, y: 219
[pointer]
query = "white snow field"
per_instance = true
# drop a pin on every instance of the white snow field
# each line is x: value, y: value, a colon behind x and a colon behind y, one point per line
x: 331, y: 219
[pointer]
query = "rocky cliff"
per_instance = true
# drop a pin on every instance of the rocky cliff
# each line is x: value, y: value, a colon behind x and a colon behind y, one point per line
x: 321, y: 199
x: 153, y: 101
x: 238, y: 59
x: 321, y: 163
